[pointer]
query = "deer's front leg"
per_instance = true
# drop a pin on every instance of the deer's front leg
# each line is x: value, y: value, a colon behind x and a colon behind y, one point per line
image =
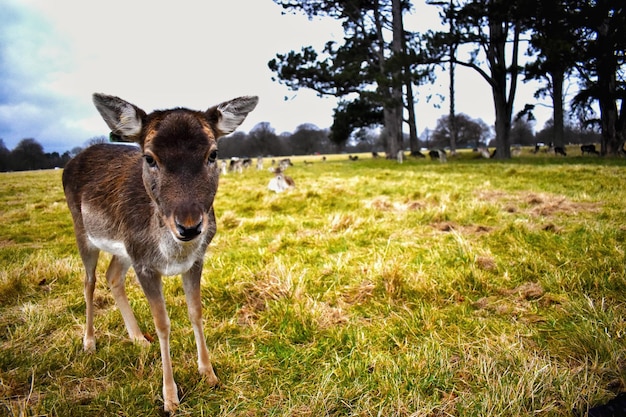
x: 153, y: 288
x: 116, y: 276
x: 191, y: 285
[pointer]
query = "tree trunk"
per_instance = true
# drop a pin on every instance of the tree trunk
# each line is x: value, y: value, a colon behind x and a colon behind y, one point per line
x: 452, y: 118
x: 500, y: 72
x: 413, y: 140
x: 607, y: 68
x: 557, y: 114
x: 391, y: 133
x: 391, y: 88
x: 453, y: 45
x: 503, y: 126
x: 397, y: 49
x: 608, y: 120
x: 497, y: 65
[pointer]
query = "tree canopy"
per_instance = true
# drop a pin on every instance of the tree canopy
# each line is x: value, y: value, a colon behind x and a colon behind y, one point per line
x: 367, y: 71
x: 374, y: 70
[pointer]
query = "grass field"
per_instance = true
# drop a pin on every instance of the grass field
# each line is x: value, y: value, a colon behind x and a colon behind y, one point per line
x: 472, y: 288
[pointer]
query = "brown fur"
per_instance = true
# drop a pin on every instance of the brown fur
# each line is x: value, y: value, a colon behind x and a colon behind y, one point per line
x: 151, y: 207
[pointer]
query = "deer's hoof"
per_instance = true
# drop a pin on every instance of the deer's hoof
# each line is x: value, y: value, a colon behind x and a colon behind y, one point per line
x: 209, y: 376
x: 89, y: 345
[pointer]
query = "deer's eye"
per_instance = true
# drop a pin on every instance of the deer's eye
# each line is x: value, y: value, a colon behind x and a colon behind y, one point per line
x: 150, y: 161
x: 212, y: 157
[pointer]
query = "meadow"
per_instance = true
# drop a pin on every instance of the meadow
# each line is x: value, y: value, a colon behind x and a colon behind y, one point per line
x: 472, y: 288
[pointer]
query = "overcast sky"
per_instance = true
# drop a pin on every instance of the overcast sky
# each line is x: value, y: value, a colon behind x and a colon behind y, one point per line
x: 162, y: 54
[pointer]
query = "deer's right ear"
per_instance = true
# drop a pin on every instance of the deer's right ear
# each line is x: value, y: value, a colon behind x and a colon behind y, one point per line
x: 227, y: 116
x: 124, y: 119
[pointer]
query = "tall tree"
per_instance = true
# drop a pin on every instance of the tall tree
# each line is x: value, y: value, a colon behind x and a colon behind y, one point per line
x: 602, y: 50
x: 393, y: 110
x: 28, y: 155
x: 5, y: 156
x: 552, y: 42
x: 366, y: 70
x: 492, y: 28
x: 448, y: 14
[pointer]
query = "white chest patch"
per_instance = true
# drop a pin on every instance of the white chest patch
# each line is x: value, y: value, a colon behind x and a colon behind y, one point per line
x: 176, y: 268
x: 114, y: 247
x: 178, y: 258
x: 170, y: 258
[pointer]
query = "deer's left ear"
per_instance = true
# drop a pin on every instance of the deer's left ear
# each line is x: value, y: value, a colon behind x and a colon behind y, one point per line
x: 227, y: 116
x: 123, y: 118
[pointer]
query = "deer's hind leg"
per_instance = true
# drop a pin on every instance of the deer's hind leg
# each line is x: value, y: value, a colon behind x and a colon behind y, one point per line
x: 116, y: 277
x: 89, y: 255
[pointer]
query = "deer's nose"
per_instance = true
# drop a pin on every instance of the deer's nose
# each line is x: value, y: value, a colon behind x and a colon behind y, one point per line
x: 186, y: 232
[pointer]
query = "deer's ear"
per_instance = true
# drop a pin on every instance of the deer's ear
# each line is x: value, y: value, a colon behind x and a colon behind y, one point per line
x: 227, y: 116
x: 123, y: 118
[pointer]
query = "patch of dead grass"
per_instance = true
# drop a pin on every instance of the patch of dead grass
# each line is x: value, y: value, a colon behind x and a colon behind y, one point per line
x: 516, y: 302
x: 452, y: 226
x: 258, y: 294
x: 383, y: 203
x: 537, y: 204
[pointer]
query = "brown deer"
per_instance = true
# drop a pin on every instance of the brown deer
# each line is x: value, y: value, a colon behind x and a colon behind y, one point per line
x: 151, y: 207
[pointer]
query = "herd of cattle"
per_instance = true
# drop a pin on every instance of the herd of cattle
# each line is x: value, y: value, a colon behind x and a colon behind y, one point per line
x: 281, y: 182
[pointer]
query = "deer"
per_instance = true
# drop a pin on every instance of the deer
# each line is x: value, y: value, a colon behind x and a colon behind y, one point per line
x: 280, y: 182
x: 151, y: 207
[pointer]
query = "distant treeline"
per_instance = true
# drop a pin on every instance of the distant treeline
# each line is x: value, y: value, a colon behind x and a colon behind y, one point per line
x: 308, y: 139
x: 29, y: 155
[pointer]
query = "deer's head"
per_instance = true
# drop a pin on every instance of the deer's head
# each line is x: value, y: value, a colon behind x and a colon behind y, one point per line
x: 179, y: 146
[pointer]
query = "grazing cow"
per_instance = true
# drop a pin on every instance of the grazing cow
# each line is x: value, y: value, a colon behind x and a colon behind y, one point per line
x: 151, y: 207
x: 589, y: 149
x: 559, y: 150
x: 439, y: 154
x: 280, y: 182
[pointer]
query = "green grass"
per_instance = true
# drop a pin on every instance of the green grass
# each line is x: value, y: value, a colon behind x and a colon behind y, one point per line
x: 472, y: 288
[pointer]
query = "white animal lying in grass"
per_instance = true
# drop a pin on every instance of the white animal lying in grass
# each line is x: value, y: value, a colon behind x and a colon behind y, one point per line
x: 280, y: 182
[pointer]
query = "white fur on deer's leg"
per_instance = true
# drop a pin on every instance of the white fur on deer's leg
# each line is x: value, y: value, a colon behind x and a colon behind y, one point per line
x: 90, y: 259
x: 116, y: 277
x: 89, y: 340
x: 191, y: 285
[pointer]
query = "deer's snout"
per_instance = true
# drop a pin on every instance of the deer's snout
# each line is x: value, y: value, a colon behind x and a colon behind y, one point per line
x: 188, y: 233
x: 188, y: 224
